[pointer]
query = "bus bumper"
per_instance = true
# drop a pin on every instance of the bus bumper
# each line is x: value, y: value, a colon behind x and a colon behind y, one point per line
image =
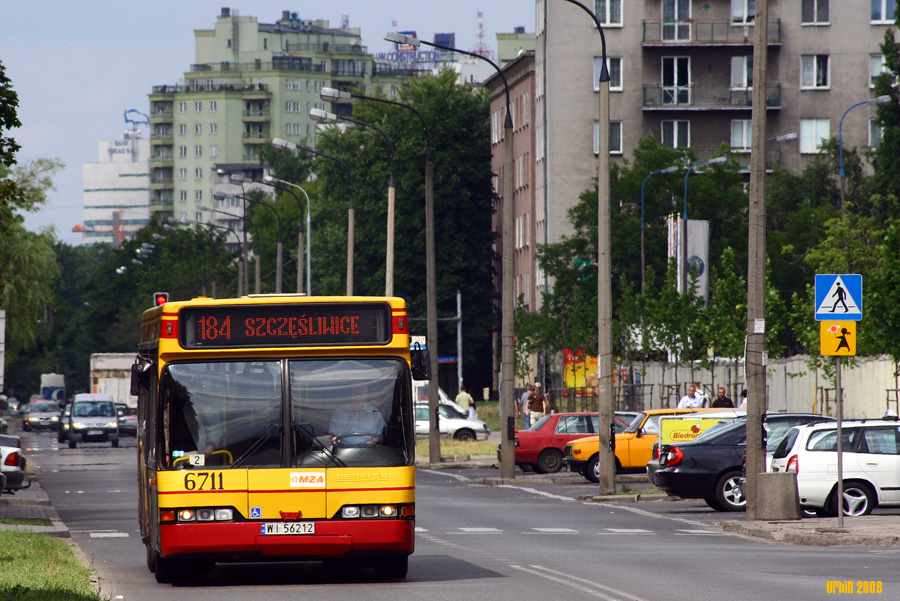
x: 332, y: 539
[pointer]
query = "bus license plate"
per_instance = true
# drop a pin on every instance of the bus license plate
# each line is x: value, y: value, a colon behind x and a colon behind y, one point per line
x: 288, y: 528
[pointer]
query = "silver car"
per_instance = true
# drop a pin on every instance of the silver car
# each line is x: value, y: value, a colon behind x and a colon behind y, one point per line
x: 93, y: 419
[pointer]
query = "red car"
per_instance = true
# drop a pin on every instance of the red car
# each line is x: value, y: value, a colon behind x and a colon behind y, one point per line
x: 540, y: 448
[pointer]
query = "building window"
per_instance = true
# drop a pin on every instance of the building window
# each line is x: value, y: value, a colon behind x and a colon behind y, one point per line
x: 182, y: 152
x: 884, y: 11
x: 615, y: 137
x: 874, y: 134
x: 198, y: 106
x: 182, y: 195
x: 198, y: 128
x: 813, y: 132
x: 740, y: 134
x: 198, y: 194
x: 609, y: 12
x: 741, y: 72
x: 213, y: 129
x: 182, y: 107
x: 877, y: 66
x: 743, y: 11
x: 213, y: 106
x: 814, y: 12
x: 198, y: 151
x: 676, y: 20
x: 814, y: 71
x: 676, y: 80
x: 614, y: 64
x: 214, y: 150
x: 182, y: 129
x: 182, y: 173
x: 198, y: 173
x: 265, y: 43
x: 676, y: 134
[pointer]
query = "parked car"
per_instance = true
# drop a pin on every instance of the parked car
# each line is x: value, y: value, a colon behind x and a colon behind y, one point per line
x: 452, y: 423
x: 62, y: 433
x: 41, y: 415
x: 93, y: 418
x: 633, y: 446
x: 420, y: 394
x: 127, y: 420
x: 540, y: 447
x: 777, y: 424
x: 871, y: 465
x: 12, y: 463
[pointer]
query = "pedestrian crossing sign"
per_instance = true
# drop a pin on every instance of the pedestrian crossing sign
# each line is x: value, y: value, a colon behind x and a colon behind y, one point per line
x: 839, y: 297
x: 837, y: 338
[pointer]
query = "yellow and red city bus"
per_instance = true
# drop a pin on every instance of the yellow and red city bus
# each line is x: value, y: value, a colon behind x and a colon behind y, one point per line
x: 276, y: 427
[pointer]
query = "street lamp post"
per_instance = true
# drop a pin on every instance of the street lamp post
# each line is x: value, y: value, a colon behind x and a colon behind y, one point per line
x: 606, y: 460
x: 880, y: 101
x: 507, y: 312
x: 285, y: 186
x: 351, y: 211
x: 684, y: 250
x: 434, y: 440
x: 672, y: 169
x: 321, y: 116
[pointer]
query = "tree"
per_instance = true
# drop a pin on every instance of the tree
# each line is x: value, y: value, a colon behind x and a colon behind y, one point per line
x: 9, y: 101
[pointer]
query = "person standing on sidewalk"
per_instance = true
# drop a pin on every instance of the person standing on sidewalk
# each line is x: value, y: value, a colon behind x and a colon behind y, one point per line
x: 464, y: 400
x: 537, y: 404
x: 523, y: 400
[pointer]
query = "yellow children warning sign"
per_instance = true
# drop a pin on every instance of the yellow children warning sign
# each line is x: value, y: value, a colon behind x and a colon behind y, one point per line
x: 837, y: 338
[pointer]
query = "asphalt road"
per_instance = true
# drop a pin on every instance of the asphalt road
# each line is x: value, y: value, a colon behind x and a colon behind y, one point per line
x: 510, y: 542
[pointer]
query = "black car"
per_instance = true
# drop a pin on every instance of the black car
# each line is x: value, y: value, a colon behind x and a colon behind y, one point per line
x: 710, y: 467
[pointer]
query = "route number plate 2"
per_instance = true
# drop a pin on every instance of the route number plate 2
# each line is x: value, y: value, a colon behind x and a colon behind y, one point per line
x: 288, y: 528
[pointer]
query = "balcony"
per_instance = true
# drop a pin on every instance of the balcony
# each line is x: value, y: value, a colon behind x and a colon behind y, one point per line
x: 705, y: 97
x: 161, y: 116
x: 165, y: 160
x: 284, y: 63
x: 255, y: 138
x: 256, y: 115
x: 329, y: 48
x: 199, y: 88
x: 162, y: 137
x: 705, y: 33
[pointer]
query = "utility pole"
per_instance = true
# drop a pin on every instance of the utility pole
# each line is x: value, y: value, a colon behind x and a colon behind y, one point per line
x: 755, y: 360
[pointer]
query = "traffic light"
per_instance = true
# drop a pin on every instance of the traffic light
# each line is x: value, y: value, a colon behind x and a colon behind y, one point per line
x: 160, y: 298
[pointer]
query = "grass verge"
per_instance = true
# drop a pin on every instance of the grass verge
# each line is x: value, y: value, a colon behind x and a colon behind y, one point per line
x: 26, y: 521
x: 37, y: 567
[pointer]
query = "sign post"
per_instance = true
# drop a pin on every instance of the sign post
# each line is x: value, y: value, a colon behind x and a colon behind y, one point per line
x: 838, y: 308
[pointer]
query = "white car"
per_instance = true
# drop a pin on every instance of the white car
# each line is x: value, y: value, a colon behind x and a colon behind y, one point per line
x: 420, y: 394
x: 452, y: 423
x: 12, y: 463
x: 871, y: 465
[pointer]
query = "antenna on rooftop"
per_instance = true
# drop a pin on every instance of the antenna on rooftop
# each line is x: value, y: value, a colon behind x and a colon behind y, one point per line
x: 480, y: 48
x: 345, y: 21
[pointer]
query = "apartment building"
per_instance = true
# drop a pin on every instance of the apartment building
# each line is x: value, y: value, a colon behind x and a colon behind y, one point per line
x: 250, y: 82
x: 682, y: 71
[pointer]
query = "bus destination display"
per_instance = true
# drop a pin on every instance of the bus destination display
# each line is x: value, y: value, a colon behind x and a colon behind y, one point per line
x: 299, y: 324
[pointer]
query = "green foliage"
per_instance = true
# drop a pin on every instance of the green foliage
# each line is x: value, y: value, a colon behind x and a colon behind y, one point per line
x: 38, y: 567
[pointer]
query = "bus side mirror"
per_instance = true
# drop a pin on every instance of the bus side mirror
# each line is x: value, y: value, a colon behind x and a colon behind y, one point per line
x: 421, y: 363
x: 140, y: 377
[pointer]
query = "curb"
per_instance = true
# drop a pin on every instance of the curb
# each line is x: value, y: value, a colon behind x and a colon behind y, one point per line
x: 780, y: 532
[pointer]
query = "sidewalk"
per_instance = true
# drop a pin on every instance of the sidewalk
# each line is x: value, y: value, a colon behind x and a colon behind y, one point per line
x: 32, y: 502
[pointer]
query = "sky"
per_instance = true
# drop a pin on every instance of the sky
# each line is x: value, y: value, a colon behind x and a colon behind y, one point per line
x: 78, y: 66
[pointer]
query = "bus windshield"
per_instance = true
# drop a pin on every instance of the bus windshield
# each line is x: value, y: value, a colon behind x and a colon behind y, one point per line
x: 337, y: 412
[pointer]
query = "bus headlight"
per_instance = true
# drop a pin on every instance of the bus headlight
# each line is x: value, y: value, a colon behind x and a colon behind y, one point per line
x: 186, y: 515
x: 205, y: 514
x: 354, y: 512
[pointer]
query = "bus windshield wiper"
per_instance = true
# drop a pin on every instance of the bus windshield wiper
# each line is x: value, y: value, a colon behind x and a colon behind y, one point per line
x: 301, y: 430
x: 256, y: 444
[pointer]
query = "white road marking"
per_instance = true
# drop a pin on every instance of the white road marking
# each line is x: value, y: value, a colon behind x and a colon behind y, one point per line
x: 537, y: 492
x: 459, y: 477
x: 555, y: 530
x: 697, y: 532
x: 482, y: 530
x: 629, y: 531
x: 590, y: 587
x: 109, y: 535
x: 650, y: 514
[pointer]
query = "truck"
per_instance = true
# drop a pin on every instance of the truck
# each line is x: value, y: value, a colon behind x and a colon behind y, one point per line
x: 53, y: 387
x: 111, y: 374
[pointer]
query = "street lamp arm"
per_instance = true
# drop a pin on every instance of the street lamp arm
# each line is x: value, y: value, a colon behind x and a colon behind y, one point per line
x: 604, y: 69
x: 508, y: 121
x: 271, y: 208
